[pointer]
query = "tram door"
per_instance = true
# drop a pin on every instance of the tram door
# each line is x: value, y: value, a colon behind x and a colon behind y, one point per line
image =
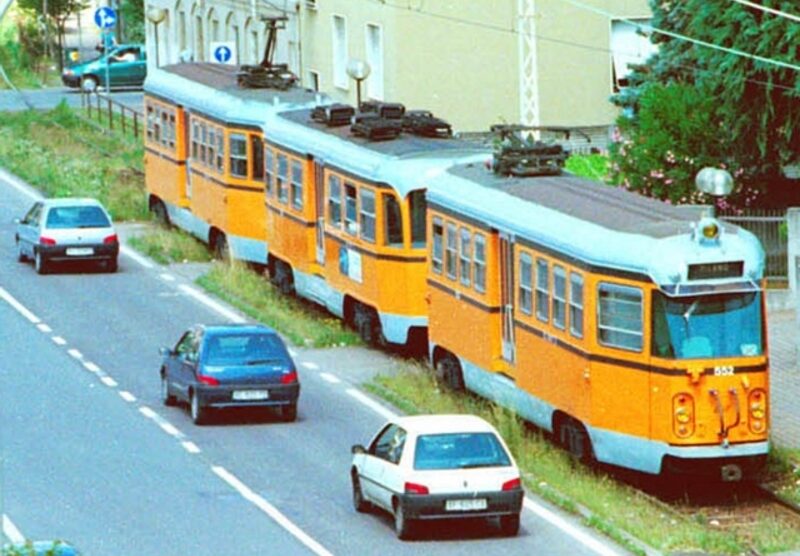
x: 507, y: 295
x: 319, y: 196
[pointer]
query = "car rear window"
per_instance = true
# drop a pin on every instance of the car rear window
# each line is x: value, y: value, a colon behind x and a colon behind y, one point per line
x: 77, y: 217
x: 459, y: 451
x: 245, y: 349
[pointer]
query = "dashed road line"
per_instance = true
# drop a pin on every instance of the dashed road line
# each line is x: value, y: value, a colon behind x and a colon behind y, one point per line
x: 190, y: 447
x: 211, y: 304
x: 372, y: 404
x: 127, y: 396
x: 147, y: 412
x: 108, y: 381
x: 44, y: 328
x: 586, y: 539
x: 59, y: 340
x: 11, y: 532
x: 91, y: 367
x: 19, y: 307
x: 333, y: 379
x: 309, y: 365
x: 168, y: 277
x: 271, y: 511
x: 128, y: 252
x: 75, y: 353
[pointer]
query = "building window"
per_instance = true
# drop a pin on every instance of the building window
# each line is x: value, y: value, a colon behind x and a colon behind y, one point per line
x: 392, y: 221
x: 237, y: 147
x: 526, y: 283
x: 630, y: 45
x: 269, y: 171
x: 375, y: 61
x: 619, y: 316
x: 283, y: 178
x: 368, y: 215
x: 438, y: 245
x: 313, y: 80
x: 350, y: 209
x: 480, y: 263
x: 576, y: 305
x: 257, y: 146
x: 465, y: 256
x: 450, y: 252
x: 559, y: 297
x: 335, y: 201
x: 339, y: 52
x: 542, y: 290
x: 297, y: 184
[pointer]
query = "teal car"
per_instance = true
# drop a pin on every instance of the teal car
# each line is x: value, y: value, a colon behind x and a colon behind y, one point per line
x: 125, y: 65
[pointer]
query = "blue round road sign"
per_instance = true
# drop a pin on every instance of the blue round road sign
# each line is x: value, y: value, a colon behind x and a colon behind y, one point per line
x: 105, y: 17
x: 222, y: 54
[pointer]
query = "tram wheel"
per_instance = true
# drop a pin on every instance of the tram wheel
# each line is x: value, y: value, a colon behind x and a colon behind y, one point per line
x: 282, y: 277
x: 368, y: 325
x: 572, y: 436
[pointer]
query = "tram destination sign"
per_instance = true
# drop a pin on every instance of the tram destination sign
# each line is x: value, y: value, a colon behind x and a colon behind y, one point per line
x: 706, y: 271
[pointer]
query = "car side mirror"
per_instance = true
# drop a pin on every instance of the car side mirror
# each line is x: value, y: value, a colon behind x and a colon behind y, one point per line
x: 358, y: 449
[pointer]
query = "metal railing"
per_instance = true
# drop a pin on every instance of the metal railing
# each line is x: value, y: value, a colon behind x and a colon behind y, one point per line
x: 771, y: 228
x: 111, y: 113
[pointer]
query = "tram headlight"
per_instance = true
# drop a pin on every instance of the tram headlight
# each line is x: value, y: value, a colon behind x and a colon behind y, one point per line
x: 710, y: 230
x: 757, y: 406
x: 683, y: 415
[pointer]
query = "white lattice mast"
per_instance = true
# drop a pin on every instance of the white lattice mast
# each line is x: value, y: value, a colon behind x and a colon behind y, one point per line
x: 528, y: 64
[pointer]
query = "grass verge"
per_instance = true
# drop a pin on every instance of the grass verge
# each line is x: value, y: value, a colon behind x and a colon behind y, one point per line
x: 619, y: 510
x: 302, y: 323
x: 167, y: 246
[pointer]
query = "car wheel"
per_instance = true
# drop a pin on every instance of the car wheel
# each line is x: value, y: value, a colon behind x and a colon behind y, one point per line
x: 402, y: 525
x: 198, y: 412
x: 111, y: 265
x: 166, y: 397
x: 359, y: 502
x: 89, y: 84
x: 509, y: 525
x: 289, y: 413
x: 40, y: 263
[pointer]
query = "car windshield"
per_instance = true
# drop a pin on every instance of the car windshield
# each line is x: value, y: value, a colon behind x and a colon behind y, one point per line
x: 459, y: 451
x: 77, y: 217
x: 244, y: 349
x: 722, y: 325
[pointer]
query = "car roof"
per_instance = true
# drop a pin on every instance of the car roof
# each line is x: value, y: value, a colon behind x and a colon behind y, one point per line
x: 444, y: 424
x: 72, y: 202
x: 243, y: 328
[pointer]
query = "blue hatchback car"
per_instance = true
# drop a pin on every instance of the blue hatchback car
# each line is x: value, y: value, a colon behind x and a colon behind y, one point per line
x: 223, y: 366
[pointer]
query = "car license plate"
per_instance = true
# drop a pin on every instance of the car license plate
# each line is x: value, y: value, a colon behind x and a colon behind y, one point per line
x: 79, y: 251
x: 250, y: 395
x: 465, y: 505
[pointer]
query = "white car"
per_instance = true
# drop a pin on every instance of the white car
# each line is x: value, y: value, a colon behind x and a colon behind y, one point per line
x: 438, y: 467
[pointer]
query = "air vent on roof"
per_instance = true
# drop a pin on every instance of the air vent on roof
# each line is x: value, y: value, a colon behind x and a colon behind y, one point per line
x: 374, y: 127
x: 388, y: 110
x: 517, y: 153
x: 333, y: 114
x: 423, y: 122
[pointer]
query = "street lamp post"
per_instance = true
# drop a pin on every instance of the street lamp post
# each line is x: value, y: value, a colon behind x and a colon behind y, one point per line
x: 155, y: 16
x: 358, y: 70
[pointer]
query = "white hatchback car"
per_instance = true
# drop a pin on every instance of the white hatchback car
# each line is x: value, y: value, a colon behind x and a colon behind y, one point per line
x: 68, y: 229
x: 438, y: 467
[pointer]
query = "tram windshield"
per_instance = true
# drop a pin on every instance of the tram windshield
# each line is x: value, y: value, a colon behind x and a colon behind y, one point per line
x: 708, y: 326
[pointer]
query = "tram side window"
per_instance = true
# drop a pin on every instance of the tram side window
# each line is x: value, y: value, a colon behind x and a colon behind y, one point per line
x: 195, y: 140
x: 257, y: 147
x: 150, y: 122
x: 157, y: 126
x: 526, y: 283
x: 619, y: 316
x: 559, y: 297
x: 164, y: 128
x: 418, y: 210
x: 283, y: 177
x: 576, y: 305
x: 220, y: 151
x: 465, y: 256
x: 335, y: 201
x: 203, y: 142
x: 212, y: 146
x: 172, y: 130
x: 438, y: 245
x: 542, y: 291
x: 269, y: 170
x: 450, y: 252
x: 479, y: 261
x: 237, y: 149
x: 392, y: 221
x: 350, y: 209
x: 297, y: 184
x: 368, y: 215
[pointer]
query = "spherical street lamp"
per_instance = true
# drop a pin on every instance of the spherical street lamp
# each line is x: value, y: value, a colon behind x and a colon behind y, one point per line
x: 714, y: 181
x: 358, y: 70
x: 155, y: 16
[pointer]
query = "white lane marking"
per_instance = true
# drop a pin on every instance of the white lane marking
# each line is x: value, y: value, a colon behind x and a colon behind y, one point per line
x: 333, y: 379
x: 370, y: 403
x: 147, y: 412
x: 108, y: 381
x: 91, y: 367
x: 19, y: 307
x: 271, y: 511
x: 11, y: 532
x: 19, y: 185
x: 576, y: 533
x: 168, y: 277
x: 75, y: 353
x: 211, y: 304
x: 44, y: 328
x: 169, y: 428
x: 127, y: 396
x: 59, y: 340
x: 190, y: 447
x: 128, y: 252
x: 309, y: 365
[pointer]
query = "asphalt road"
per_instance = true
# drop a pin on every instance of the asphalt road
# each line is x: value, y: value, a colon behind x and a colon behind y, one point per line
x: 45, y: 99
x: 90, y: 454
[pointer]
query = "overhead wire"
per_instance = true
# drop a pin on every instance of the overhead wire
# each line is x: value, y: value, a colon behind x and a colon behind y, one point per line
x: 773, y: 11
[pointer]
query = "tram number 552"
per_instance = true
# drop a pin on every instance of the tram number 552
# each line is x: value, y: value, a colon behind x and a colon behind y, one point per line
x: 723, y: 370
